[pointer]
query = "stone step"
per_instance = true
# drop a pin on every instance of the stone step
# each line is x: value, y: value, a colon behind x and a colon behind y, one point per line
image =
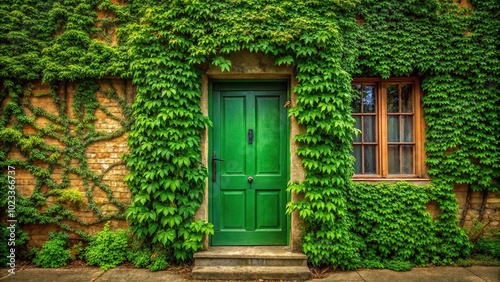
x: 282, y: 273
x: 243, y: 263
x: 249, y: 262
x: 249, y: 256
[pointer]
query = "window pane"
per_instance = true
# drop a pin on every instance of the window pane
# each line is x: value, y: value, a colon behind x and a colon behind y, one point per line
x: 369, y: 129
x: 357, y: 155
x: 400, y: 137
x: 392, y: 98
x: 407, y: 128
x: 393, y: 128
x: 356, y: 99
x: 370, y: 160
x: 408, y: 159
x: 369, y: 102
x: 407, y: 98
x: 357, y: 125
x: 393, y: 159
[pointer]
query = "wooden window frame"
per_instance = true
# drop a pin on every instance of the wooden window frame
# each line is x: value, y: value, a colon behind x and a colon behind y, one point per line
x: 375, y: 143
x: 419, y: 167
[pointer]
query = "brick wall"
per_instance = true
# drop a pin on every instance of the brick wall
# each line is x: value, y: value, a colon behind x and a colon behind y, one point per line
x: 103, y: 158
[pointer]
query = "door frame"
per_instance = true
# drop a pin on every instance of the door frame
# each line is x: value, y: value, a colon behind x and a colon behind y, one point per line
x: 211, y: 141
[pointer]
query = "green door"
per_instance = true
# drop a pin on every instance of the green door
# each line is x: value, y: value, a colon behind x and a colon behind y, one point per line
x: 248, y: 190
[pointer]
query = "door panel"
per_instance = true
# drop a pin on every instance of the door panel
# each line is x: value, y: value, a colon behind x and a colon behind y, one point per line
x: 233, y: 216
x: 267, y: 210
x: 249, y: 212
x: 267, y: 132
x: 233, y: 135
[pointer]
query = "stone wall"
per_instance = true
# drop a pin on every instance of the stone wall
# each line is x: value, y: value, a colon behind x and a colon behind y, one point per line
x: 491, y: 210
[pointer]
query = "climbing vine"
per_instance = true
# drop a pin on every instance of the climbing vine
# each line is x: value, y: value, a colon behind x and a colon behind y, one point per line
x: 52, y: 163
x: 62, y: 43
x: 394, y: 229
x: 167, y: 179
x: 164, y: 48
x: 456, y: 51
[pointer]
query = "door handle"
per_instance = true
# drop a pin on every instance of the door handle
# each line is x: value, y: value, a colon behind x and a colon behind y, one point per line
x: 250, y: 136
x: 214, y: 166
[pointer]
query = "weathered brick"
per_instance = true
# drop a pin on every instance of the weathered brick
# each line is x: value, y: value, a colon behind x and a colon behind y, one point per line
x: 100, y: 155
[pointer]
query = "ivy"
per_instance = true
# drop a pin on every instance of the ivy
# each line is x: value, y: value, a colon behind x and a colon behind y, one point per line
x: 393, y: 225
x: 25, y: 31
x: 455, y: 50
x: 42, y: 160
x: 164, y: 49
x: 167, y: 179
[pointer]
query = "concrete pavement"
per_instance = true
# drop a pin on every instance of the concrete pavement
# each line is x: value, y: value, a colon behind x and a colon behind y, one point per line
x: 424, y: 274
x: 92, y: 274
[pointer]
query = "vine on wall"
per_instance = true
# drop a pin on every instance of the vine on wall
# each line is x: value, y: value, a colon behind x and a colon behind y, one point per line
x: 164, y: 48
x: 456, y: 49
x: 61, y: 43
x: 52, y: 163
x: 165, y: 139
x: 394, y: 229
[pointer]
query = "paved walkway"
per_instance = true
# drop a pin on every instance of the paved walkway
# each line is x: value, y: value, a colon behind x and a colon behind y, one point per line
x: 90, y: 274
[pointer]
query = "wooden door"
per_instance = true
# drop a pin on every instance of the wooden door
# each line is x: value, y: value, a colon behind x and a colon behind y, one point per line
x: 249, y: 163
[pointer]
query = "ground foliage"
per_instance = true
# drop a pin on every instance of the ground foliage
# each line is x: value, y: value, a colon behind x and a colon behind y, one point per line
x: 55, y: 252
x: 164, y: 47
x: 107, y: 248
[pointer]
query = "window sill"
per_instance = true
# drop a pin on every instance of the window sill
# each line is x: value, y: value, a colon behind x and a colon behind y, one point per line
x: 416, y: 181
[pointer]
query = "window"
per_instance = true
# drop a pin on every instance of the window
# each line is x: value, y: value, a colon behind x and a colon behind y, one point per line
x: 388, y: 115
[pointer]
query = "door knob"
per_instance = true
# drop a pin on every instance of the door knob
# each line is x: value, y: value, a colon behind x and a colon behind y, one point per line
x: 250, y: 179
